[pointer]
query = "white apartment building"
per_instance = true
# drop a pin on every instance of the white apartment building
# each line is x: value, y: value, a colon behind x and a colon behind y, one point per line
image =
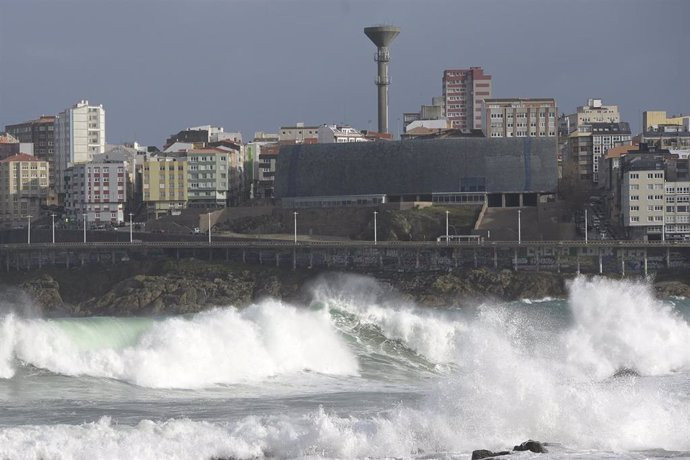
x: 520, y: 118
x: 79, y: 134
x: 98, y: 190
x: 642, y: 200
x: 330, y: 134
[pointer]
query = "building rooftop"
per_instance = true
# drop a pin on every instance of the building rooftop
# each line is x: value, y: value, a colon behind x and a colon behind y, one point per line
x: 20, y: 157
x: 8, y: 139
x: 616, y: 152
x: 621, y: 127
x: 206, y: 151
x: 518, y: 99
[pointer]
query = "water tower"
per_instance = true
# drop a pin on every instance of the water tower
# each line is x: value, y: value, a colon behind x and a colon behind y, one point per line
x: 382, y: 36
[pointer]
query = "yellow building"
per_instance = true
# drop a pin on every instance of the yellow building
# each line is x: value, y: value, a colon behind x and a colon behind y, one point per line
x: 164, y: 185
x: 652, y: 119
x: 23, y: 186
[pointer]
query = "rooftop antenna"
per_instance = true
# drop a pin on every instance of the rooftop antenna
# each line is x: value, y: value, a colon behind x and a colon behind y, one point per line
x: 382, y: 36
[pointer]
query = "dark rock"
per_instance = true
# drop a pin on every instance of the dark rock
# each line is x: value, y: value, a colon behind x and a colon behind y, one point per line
x: 625, y: 372
x: 672, y: 289
x: 487, y: 454
x: 532, y: 446
x: 45, y: 291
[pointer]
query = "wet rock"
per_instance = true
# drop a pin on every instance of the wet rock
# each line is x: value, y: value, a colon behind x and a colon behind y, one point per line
x: 532, y: 446
x: 487, y: 454
x: 624, y: 372
x: 672, y: 289
x: 45, y: 291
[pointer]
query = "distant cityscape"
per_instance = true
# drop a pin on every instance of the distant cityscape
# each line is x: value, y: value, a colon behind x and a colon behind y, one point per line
x: 466, y: 148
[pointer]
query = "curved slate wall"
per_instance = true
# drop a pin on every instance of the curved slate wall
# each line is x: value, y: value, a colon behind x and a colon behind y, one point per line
x: 417, y: 166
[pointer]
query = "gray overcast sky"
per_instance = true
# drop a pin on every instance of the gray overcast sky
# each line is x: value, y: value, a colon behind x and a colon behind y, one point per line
x: 159, y: 66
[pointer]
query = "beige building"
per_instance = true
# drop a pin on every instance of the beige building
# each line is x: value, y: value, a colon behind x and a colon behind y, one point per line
x: 519, y: 118
x: 164, y: 185
x: 652, y: 120
x: 594, y: 112
x: 24, y: 184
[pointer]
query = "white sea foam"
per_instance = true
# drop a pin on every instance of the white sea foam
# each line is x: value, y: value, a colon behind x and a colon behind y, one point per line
x: 514, y: 383
x: 220, y: 346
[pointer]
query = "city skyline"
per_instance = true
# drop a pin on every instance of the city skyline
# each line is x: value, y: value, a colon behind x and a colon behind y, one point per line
x: 225, y: 63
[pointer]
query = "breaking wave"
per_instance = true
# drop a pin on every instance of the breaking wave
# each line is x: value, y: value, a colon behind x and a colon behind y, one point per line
x: 221, y: 346
x: 503, y: 373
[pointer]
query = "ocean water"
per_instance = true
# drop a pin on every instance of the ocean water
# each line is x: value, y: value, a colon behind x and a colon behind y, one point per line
x: 357, y: 373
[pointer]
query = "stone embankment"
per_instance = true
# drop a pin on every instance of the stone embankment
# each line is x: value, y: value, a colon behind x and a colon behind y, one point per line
x: 177, y: 287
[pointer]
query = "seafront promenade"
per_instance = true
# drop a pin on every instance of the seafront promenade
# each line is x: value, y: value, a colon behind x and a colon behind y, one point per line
x: 598, y: 256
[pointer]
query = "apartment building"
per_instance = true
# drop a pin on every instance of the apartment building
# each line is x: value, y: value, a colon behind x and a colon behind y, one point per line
x: 436, y: 112
x: 595, y: 111
x: 298, y: 134
x: 591, y: 141
x: 207, y: 177
x: 164, y: 185
x: 329, y: 134
x: 652, y: 187
x: 97, y: 191
x: 79, y: 133
x: 652, y: 120
x: 463, y: 93
x: 24, y: 182
x: 40, y: 133
x: 268, y: 156
x: 642, y: 197
x: 200, y: 136
x: 520, y: 118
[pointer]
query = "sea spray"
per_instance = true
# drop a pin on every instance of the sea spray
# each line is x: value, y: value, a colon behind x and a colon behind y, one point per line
x: 621, y: 325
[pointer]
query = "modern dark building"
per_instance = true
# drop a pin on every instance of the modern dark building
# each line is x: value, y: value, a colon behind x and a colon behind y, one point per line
x: 471, y: 170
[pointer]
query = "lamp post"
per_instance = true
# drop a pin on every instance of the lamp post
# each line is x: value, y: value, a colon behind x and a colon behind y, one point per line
x: 52, y: 216
x: 209, y: 228
x: 586, y: 226
x: 295, y: 215
x: 28, y: 230
x: 447, y: 235
x: 375, y: 236
x: 131, y: 236
x: 519, y: 228
x: 84, y: 216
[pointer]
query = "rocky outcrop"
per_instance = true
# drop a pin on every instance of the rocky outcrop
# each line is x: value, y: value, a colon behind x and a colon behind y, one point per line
x: 532, y: 446
x: 487, y: 454
x: 672, y: 289
x: 44, y: 291
x: 190, y: 285
x: 463, y: 286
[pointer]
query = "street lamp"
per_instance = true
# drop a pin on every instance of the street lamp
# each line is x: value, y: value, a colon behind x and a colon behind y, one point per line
x: 519, y: 228
x: 375, y: 236
x: 209, y: 228
x: 28, y: 230
x: 295, y: 215
x: 447, y: 235
x: 131, y: 240
x: 84, y: 216
x: 586, y: 226
x: 52, y: 216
